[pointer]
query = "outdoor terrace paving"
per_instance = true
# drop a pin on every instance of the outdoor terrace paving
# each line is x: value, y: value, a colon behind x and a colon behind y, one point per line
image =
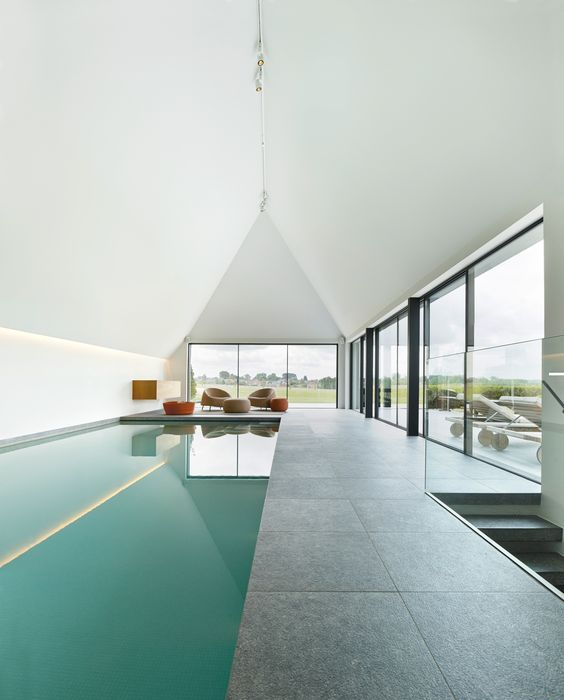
x: 364, y: 587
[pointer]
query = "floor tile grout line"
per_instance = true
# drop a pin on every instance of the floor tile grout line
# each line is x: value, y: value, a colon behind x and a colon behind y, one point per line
x: 408, y: 610
x: 374, y: 547
x: 362, y: 591
x: 443, y: 674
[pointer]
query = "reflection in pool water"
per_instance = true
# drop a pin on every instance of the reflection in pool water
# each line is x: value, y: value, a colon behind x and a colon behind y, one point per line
x: 244, y: 450
x: 120, y: 574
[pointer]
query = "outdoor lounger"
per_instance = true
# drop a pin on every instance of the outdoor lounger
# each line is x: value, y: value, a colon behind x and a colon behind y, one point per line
x: 518, y: 417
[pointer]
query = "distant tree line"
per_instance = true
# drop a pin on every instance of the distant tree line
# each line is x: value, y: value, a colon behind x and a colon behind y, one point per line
x: 263, y: 378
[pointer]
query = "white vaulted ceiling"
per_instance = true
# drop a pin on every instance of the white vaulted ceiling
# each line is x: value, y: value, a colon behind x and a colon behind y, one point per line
x: 401, y: 134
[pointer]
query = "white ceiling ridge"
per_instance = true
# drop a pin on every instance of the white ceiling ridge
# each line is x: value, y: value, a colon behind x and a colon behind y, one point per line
x: 265, y: 294
x: 306, y: 275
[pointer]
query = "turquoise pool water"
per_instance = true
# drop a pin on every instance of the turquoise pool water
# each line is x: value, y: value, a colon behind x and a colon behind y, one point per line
x: 123, y: 566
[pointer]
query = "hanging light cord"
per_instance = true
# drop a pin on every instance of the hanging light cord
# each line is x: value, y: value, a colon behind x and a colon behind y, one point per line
x: 259, y: 87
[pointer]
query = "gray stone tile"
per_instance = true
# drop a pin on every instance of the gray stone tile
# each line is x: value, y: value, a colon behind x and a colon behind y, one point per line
x: 437, y: 561
x: 511, y: 485
x: 342, y: 488
x: 443, y: 471
x: 417, y: 482
x: 315, y: 561
x: 363, y: 470
x: 499, y: 646
x: 461, y: 485
x: 314, y: 469
x: 475, y: 469
x: 303, y: 515
x: 406, y: 516
x: 308, y: 646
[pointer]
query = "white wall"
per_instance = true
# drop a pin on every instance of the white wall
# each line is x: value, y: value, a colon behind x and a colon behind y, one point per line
x: 48, y: 383
x: 130, y: 164
x: 552, y: 504
x: 178, y: 367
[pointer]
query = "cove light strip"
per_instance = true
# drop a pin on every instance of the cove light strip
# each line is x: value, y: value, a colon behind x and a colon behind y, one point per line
x: 61, y: 526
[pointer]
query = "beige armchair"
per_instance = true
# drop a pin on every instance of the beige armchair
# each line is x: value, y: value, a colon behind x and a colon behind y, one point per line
x: 214, y: 397
x: 261, y: 397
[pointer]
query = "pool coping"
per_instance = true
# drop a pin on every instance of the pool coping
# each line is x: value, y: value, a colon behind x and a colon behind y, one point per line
x: 17, y: 441
x: 257, y: 416
x: 56, y: 433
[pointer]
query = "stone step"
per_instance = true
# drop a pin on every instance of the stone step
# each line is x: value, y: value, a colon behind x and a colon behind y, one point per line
x: 489, y: 498
x: 516, y: 528
x: 549, y: 565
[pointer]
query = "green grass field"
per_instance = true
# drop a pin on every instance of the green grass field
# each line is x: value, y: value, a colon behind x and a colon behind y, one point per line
x: 296, y: 394
x: 488, y: 390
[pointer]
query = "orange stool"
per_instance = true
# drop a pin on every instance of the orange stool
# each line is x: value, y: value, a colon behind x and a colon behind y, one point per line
x: 279, y: 405
x: 179, y: 408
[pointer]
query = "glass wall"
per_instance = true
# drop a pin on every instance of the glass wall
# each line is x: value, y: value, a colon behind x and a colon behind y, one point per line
x: 509, y: 293
x: 445, y: 400
x: 363, y: 375
x: 391, y: 372
x: 305, y: 374
x: 447, y: 319
x: 356, y: 377
x: 422, y: 359
x: 446, y: 310
x: 402, y: 372
x: 312, y: 375
x: 213, y: 365
x: 504, y: 414
x: 386, y: 399
x: 262, y: 366
x: 484, y: 366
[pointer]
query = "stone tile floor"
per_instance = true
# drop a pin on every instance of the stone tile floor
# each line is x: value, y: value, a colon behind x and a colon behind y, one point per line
x: 364, y: 587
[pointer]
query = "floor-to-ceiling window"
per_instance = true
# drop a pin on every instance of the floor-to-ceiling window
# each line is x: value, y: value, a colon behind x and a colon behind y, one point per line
x: 312, y: 375
x: 213, y: 365
x: 504, y: 366
x: 363, y: 374
x: 446, y: 310
x: 304, y: 373
x: 479, y: 358
x: 422, y: 359
x: 402, y: 372
x: 386, y: 395
x: 391, y: 371
x: 356, y: 377
x: 483, y: 374
x: 262, y: 366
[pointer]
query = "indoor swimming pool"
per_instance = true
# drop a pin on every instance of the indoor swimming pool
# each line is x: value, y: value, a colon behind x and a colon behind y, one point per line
x: 125, y: 555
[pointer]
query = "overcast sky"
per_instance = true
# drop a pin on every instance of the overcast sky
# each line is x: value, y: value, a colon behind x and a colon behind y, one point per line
x: 313, y: 361
x: 509, y: 304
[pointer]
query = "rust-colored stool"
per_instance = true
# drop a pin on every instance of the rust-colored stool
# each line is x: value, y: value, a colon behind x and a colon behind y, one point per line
x: 279, y: 405
x: 179, y: 408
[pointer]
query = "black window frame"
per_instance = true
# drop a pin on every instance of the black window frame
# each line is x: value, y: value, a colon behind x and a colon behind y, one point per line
x: 286, y: 345
x: 466, y: 272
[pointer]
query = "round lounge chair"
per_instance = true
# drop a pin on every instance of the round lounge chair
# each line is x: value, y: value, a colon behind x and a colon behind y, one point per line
x: 214, y: 397
x: 261, y: 397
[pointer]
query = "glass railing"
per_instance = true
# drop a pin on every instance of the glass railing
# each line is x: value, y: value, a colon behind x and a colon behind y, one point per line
x: 488, y: 412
